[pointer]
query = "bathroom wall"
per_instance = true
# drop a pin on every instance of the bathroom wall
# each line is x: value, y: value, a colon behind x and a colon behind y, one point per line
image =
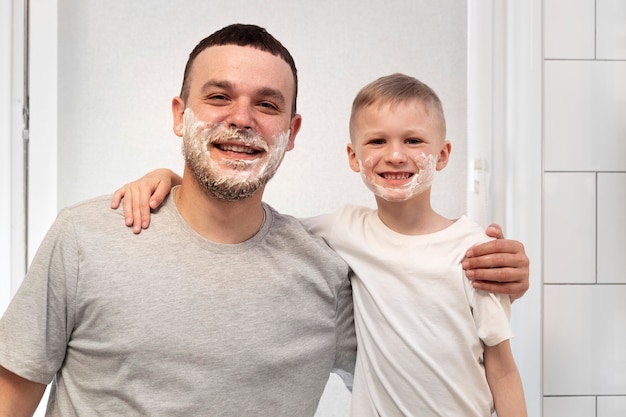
x: 584, y: 335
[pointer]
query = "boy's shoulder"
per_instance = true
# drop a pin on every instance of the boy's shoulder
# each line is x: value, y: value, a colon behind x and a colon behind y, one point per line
x: 344, y: 215
x: 470, y: 231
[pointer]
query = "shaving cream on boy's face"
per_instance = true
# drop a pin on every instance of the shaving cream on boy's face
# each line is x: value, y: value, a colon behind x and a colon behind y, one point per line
x: 382, y: 186
x: 230, y: 163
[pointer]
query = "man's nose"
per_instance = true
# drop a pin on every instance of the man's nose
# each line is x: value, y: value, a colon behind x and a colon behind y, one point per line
x: 240, y: 116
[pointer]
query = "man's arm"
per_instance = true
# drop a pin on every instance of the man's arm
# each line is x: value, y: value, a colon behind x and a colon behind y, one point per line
x: 19, y: 397
x: 498, y: 266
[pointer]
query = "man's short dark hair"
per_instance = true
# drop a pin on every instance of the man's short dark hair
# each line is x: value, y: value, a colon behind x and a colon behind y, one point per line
x: 242, y: 35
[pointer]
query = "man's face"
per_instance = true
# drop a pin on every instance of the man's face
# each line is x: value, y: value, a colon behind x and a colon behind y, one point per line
x: 397, y: 149
x: 236, y: 124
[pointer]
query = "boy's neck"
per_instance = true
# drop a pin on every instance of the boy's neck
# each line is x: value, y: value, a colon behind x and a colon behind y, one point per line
x: 411, y: 217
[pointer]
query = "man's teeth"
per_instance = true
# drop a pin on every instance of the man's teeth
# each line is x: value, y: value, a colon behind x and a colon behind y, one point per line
x: 240, y: 149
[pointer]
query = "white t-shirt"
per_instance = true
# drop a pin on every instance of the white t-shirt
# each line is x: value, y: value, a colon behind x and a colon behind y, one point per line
x: 420, y: 324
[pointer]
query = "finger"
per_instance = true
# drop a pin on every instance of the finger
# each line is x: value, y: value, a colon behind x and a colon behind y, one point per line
x: 495, y: 231
x: 496, y: 246
x: 144, y: 208
x: 515, y: 290
x: 117, y: 198
x: 127, y: 205
x: 496, y: 261
x: 497, y: 275
x: 159, y: 194
x: 136, y: 211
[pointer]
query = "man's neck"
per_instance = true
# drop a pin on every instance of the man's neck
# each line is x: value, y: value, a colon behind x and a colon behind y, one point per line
x: 218, y: 220
x: 412, y: 217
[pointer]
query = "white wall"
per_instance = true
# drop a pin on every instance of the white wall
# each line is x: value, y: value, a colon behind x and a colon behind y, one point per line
x: 12, y: 182
x: 584, y: 198
x: 6, y: 39
x: 116, y: 81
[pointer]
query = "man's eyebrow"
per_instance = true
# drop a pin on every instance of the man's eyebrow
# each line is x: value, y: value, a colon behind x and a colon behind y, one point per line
x: 226, y: 85
x: 264, y: 92
x: 272, y: 93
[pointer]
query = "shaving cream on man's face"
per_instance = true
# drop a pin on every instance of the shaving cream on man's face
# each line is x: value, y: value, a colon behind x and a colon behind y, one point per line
x: 230, y: 163
x: 400, y: 186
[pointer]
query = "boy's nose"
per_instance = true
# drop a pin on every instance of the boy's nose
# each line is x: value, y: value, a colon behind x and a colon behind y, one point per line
x: 396, y: 156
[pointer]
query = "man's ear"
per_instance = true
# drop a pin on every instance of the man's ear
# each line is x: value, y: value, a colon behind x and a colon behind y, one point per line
x: 444, y: 155
x: 294, y: 128
x: 178, y: 110
x: 353, y: 160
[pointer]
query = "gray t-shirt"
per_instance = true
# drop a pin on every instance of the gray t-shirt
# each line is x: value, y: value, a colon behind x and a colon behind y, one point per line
x: 166, y: 323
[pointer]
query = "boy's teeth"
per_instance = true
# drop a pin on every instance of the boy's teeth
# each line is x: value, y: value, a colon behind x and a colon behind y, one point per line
x: 399, y: 176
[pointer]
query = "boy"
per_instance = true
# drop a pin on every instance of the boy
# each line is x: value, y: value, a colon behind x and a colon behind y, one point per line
x: 426, y: 338
x: 429, y: 343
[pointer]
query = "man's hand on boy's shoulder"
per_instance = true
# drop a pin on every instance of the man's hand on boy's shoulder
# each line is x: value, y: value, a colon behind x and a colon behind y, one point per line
x: 499, y: 266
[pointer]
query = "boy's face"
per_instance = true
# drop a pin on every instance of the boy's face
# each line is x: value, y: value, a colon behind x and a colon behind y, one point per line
x: 397, y: 149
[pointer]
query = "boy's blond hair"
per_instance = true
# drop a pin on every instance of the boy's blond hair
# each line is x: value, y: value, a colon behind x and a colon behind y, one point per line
x: 395, y: 89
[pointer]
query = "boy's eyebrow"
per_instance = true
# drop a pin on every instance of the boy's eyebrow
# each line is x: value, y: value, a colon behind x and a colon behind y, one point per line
x: 267, y: 92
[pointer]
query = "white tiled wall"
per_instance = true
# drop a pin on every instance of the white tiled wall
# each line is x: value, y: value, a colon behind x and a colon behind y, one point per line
x: 612, y: 227
x: 569, y: 407
x: 569, y: 210
x: 584, y: 358
x: 569, y: 29
x: 611, y: 30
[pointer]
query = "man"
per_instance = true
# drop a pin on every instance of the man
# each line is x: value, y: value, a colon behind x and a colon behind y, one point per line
x: 223, y: 306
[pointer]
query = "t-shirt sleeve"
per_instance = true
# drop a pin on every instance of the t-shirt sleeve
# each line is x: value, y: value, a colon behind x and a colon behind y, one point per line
x: 36, y: 327
x: 321, y: 226
x: 346, y: 336
x: 325, y: 226
x: 492, y: 313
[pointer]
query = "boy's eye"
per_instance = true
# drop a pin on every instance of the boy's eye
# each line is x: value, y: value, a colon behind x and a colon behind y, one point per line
x: 413, y: 141
x: 376, y: 142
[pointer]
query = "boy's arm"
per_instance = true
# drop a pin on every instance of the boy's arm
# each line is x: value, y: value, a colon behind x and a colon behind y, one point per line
x: 148, y: 192
x: 18, y: 396
x: 499, y: 266
x: 504, y: 381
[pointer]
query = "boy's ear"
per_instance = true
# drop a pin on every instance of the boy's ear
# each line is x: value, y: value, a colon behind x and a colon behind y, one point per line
x: 352, y: 158
x: 444, y: 155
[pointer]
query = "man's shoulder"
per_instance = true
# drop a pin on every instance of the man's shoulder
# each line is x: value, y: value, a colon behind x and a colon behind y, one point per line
x: 93, y: 210
x: 90, y: 204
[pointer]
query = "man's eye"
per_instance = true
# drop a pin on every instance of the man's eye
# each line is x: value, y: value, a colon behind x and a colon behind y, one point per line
x: 269, y: 106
